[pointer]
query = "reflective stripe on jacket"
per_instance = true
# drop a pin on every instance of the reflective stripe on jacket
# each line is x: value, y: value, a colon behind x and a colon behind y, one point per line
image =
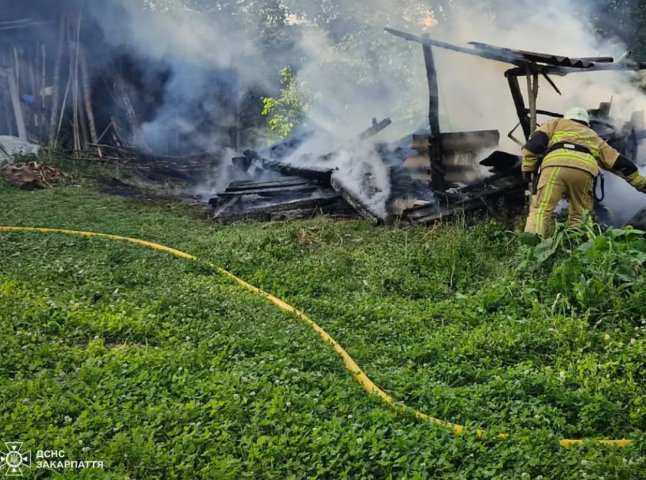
x: 560, y: 130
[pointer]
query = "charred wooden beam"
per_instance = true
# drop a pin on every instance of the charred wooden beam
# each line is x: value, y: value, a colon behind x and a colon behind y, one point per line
x: 365, y: 210
x: 291, y: 209
x: 436, y: 151
x: 519, y: 103
x: 375, y: 128
x: 546, y: 113
x: 270, y: 191
x: 562, y: 71
x: 243, y: 185
x: 552, y: 84
x: 501, y: 55
x: 318, y: 174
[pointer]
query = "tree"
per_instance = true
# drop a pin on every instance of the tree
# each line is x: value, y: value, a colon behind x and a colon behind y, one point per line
x: 287, y: 112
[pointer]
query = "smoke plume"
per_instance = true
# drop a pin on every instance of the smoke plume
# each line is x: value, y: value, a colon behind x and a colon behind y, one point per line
x: 206, y: 64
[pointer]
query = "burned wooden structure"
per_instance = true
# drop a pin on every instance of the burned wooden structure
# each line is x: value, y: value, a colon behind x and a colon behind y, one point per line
x: 66, y: 87
x: 434, y: 174
x: 45, y: 82
x: 284, y: 198
x: 54, y: 92
x: 279, y: 189
x: 504, y: 180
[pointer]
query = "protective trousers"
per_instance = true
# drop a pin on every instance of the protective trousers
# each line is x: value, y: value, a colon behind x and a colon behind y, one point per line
x: 554, y: 184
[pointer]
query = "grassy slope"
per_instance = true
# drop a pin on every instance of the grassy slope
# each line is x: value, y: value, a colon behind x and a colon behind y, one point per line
x: 168, y: 371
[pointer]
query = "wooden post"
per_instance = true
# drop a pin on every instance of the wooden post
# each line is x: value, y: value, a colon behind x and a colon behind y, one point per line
x: 519, y: 102
x: 5, y: 100
x: 53, y: 119
x: 15, y: 102
x: 74, y: 68
x: 42, y: 104
x: 16, y: 67
x: 87, y: 97
x: 435, y: 138
x: 34, y: 66
x: 532, y: 93
x: 74, y: 99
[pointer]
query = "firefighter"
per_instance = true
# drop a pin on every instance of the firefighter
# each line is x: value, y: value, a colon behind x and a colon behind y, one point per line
x: 572, y: 155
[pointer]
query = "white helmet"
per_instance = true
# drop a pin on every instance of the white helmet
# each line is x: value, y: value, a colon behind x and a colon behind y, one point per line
x: 578, y: 114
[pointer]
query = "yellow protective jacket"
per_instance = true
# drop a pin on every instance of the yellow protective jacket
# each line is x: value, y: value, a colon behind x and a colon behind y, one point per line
x: 561, y: 130
x: 601, y: 155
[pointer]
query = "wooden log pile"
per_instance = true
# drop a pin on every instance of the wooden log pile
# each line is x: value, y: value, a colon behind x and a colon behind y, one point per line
x: 284, y: 198
x: 31, y: 175
x: 286, y: 190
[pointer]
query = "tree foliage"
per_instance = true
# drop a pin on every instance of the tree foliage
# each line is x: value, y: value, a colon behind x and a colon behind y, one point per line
x: 285, y: 113
x: 626, y: 21
x: 359, y: 52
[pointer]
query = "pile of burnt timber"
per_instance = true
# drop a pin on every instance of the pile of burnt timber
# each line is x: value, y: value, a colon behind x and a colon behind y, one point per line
x: 268, y: 188
x: 284, y: 198
x: 187, y: 169
x: 504, y: 186
x: 432, y: 175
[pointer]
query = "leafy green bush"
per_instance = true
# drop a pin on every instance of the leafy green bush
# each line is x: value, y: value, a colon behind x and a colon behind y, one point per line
x: 593, y: 271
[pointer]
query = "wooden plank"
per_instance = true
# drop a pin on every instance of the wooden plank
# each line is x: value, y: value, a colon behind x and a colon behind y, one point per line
x: 375, y: 128
x: 364, y: 210
x: 322, y: 175
x: 8, y: 73
x: 251, y: 184
x: 269, y: 191
x: 302, y: 207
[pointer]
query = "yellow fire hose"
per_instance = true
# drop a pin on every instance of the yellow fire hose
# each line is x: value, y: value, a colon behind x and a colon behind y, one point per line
x: 357, y: 373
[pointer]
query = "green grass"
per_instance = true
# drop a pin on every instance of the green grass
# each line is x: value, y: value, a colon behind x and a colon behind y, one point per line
x: 163, y: 369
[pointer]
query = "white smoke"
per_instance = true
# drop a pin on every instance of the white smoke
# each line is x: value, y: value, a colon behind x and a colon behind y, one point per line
x: 357, y: 166
x: 355, y: 71
x: 203, y: 52
x: 474, y: 94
